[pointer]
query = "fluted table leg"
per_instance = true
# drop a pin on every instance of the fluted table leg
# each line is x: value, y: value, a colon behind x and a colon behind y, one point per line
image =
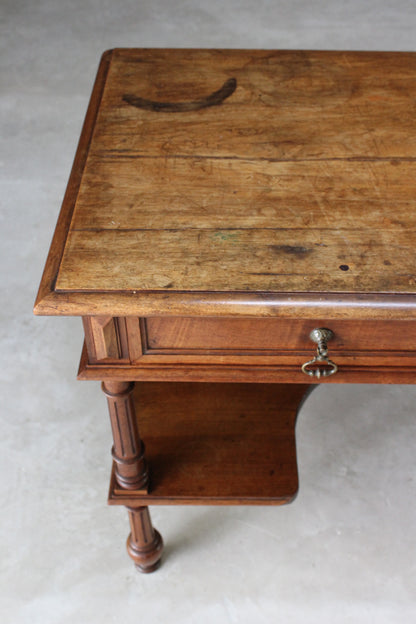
x: 144, y: 544
x: 128, y: 449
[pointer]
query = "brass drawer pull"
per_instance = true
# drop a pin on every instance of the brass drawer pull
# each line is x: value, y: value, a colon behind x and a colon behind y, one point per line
x: 320, y: 336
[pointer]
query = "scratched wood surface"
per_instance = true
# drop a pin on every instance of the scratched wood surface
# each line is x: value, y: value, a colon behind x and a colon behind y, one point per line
x: 248, y: 171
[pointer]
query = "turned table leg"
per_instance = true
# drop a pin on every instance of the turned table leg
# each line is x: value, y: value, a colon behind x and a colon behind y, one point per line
x: 128, y: 449
x: 144, y: 543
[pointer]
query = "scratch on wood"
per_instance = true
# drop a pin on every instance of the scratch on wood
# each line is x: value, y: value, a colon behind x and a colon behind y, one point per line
x: 214, y: 99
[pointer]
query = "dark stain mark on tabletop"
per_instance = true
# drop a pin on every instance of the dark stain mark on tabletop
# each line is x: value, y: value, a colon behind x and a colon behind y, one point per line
x: 214, y: 99
x: 296, y: 250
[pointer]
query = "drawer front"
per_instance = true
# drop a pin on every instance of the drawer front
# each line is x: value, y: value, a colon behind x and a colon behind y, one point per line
x: 273, y: 336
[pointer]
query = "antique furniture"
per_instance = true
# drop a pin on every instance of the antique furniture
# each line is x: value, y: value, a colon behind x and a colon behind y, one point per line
x: 238, y: 226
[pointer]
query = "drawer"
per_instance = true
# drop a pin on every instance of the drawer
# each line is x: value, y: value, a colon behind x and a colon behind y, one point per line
x: 272, y: 335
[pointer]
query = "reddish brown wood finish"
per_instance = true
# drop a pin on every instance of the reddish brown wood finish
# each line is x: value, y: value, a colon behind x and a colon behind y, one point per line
x: 144, y: 544
x: 106, y: 338
x: 128, y: 449
x: 283, y: 373
x: 204, y: 246
x: 217, y: 444
x: 253, y: 350
x: 181, y: 335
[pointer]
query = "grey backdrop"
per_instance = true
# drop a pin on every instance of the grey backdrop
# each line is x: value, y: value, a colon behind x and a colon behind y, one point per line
x: 345, y: 550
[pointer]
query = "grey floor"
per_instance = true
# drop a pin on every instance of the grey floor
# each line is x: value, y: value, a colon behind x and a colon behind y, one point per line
x: 345, y: 551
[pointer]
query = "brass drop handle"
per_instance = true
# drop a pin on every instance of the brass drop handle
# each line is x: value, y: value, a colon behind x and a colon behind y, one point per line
x: 320, y: 336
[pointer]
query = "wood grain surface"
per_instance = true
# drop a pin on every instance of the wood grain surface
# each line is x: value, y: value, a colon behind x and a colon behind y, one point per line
x: 241, y: 185
x: 261, y: 172
x: 217, y: 443
x: 262, y: 336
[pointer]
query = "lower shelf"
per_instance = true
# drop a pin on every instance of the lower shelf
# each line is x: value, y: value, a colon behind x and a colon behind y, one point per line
x: 209, y: 443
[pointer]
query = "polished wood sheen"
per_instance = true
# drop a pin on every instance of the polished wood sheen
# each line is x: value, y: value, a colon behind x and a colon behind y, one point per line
x: 251, y: 350
x: 144, y: 544
x: 226, y: 443
x: 193, y: 334
x: 128, y: 449
x: 223, y: 205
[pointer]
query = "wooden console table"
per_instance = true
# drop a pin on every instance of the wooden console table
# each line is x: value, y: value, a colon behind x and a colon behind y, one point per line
x: 238, y: 226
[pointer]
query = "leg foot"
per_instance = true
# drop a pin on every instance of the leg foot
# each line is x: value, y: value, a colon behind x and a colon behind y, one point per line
x: 144, y: 544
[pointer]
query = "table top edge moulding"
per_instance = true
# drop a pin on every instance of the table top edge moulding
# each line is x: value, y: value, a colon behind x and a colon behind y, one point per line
x: 312, y: 265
